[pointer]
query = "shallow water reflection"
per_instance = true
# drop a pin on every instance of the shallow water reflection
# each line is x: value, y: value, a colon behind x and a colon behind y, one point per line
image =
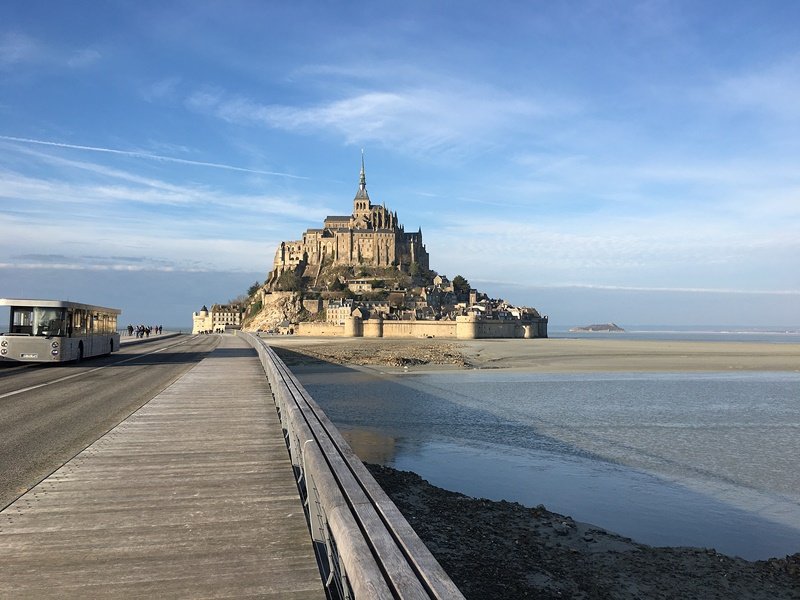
x: 667, y: 459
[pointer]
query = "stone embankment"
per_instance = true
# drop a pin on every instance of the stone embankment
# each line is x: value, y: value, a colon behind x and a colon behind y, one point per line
x: 505, y: 550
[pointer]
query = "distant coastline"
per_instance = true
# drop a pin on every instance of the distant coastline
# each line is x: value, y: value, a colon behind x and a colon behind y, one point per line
x: 697, y: 333
x: 601, y: 327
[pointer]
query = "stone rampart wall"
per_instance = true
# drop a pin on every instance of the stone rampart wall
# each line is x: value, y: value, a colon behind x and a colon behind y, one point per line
x: 499, y: 329
x: 463, y: 328
x: 416, y: 329
x: 319, y: 329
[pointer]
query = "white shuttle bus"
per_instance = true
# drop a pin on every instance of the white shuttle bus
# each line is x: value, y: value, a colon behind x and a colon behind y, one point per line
x: 49, y: 331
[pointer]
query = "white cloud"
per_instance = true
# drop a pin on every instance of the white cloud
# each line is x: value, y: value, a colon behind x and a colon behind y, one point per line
x: 18, y: 48
x: 131, y: 246
x: 31, y: 192
x: 89, y: 209
x: 416, y: 118
x: 649, y: 253
x: 761, y: 191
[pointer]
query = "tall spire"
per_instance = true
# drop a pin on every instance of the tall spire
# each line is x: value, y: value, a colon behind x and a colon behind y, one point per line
x: 362, y: 184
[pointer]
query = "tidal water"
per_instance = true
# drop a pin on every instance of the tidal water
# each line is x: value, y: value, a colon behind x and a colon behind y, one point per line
x: 707, y: 333
x: 707, y: 460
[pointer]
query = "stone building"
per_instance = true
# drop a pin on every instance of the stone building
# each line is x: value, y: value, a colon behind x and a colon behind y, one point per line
x: 219, y: 318
x: 371, y: 236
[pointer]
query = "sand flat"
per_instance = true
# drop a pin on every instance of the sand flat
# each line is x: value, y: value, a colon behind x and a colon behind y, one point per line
x: 559, y: 355
x: 587, y: 355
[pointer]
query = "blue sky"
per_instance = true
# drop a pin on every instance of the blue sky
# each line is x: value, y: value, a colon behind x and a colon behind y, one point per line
x: 627, y: 161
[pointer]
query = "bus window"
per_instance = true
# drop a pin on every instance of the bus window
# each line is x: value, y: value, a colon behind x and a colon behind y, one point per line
x: 79, y: 322
x: 22, y: 320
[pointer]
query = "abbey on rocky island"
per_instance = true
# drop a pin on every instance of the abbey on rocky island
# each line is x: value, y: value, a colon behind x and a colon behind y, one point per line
x: 363, y: 275
x: 371, y: 236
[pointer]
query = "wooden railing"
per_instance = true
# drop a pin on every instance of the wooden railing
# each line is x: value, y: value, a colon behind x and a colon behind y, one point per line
x: 365, y: 548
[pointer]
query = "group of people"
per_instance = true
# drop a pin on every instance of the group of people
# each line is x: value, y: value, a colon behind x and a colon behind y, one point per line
x: 144, y: 330
x: 215, y: 330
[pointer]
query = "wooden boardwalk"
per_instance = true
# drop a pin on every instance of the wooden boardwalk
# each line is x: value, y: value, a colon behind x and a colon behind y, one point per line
x: 191, y: 497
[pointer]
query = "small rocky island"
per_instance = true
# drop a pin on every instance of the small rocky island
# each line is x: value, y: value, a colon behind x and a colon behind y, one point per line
x: 597, y: 328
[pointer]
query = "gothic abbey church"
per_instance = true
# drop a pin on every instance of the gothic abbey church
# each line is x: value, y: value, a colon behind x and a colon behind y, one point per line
x: 371, y: 236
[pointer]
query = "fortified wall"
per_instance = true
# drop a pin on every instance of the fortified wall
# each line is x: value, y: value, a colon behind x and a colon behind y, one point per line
x: 463, y: 328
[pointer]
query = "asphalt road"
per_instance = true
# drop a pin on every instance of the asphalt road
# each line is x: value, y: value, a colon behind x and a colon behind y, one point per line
x: 49, y: 413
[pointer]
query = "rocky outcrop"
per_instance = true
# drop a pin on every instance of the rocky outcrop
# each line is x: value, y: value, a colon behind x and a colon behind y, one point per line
x: 275, y: 308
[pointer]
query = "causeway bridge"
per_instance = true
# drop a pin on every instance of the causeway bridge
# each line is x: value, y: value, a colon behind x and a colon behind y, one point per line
x: 230, y: 482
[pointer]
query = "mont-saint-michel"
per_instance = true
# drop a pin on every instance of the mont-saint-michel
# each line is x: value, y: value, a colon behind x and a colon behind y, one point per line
x: 364, y: 275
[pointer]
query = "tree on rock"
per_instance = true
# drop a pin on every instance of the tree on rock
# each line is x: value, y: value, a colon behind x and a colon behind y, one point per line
x: 461, y: 286
x: 289, y: 281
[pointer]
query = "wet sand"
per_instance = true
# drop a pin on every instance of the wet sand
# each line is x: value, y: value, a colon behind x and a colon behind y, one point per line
x: 548, y: 355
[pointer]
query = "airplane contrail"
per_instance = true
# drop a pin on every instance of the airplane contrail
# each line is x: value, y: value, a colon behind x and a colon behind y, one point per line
x: 148, y: 156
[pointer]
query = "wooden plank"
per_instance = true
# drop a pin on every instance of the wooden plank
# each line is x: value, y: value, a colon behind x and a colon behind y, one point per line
x: 193, y: 496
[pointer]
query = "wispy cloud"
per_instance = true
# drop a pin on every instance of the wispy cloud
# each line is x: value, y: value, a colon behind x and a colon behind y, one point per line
x: 18, y: 48
x: 99, y: 209
x: 774, y: 90
x: 94, y: 263
x: 627, y: 288
x: 21, y: 49
x: 416, y: 118
x: 675, y: 254
x: 237, y: 208
x: 131, y: 246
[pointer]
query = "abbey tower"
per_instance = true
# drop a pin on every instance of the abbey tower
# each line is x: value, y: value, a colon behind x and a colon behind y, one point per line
x: 370, y: 236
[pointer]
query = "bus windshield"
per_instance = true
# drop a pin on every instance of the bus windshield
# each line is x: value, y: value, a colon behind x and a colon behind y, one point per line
x: 48, y: 322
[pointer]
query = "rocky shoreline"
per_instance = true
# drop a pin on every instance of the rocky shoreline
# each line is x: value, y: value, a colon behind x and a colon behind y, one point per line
x: 506, y: 550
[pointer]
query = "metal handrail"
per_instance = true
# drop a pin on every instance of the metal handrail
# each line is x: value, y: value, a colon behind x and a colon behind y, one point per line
x: 365, y: 547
